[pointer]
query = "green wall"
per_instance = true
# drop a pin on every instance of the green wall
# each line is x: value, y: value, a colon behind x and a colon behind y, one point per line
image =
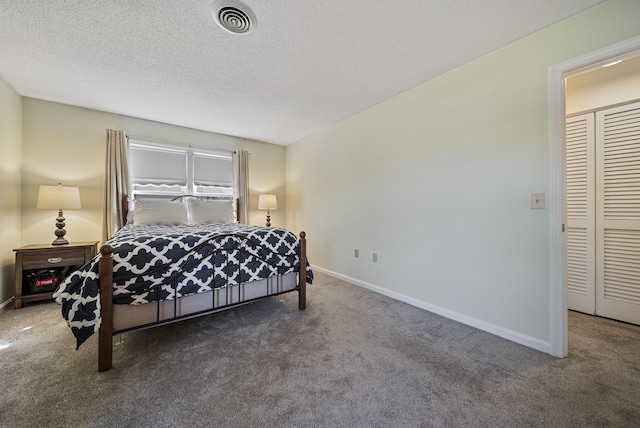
x: 437, y: 182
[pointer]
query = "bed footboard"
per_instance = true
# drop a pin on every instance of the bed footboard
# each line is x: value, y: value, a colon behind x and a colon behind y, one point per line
x: 105, y: 333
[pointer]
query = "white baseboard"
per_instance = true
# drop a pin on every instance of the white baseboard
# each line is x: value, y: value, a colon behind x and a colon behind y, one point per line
x: 511, y: 335
x: 6, y: 303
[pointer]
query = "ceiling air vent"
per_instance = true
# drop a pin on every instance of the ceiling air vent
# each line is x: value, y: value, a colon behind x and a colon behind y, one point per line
x: 234, y: 17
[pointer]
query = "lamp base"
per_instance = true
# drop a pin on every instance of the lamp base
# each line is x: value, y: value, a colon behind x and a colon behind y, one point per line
x: 60, y: 241
x: 268, y: 219
x: 60, y: 232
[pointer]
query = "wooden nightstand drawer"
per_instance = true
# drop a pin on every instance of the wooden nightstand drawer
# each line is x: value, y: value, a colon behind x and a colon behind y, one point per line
x: 45, y: 260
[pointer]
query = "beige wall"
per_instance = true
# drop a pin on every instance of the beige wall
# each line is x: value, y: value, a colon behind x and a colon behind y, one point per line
x: 10, y: 144
x: 604, y: 87
x: 437, y: 182
x: 66, y: 144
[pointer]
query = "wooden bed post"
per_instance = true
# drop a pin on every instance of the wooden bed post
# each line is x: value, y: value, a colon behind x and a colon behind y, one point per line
x: 125, y: 209
x: 302, y: 275
x: 105, y: 334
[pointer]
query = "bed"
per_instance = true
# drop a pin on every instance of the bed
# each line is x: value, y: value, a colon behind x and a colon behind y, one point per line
x: 175, y: 260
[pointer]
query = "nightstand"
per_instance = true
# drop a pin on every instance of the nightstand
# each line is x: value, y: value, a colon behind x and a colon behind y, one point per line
x: 62, y: 258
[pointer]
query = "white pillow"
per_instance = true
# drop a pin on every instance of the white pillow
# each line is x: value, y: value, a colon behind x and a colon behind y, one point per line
x: 160, y: 213
x: 203, y: 212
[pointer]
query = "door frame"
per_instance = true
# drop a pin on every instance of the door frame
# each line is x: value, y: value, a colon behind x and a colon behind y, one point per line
x: 558, y: 73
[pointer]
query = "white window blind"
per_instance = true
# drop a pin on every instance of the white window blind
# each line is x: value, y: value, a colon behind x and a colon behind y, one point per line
x: 163, y: 170
x: 212, y: 170
x: 151, y: 165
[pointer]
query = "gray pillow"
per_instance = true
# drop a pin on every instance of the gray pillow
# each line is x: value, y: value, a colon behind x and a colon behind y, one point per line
x: 203, y: 212
x: 159, y: 213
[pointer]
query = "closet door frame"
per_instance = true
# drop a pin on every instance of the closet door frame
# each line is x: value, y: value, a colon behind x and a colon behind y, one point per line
x: 558, y: 318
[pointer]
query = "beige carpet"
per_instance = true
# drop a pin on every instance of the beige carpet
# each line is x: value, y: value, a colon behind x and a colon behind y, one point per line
x: 352, y: 359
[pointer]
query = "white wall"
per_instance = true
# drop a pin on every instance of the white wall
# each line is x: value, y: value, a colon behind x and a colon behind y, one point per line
x: 604, y: 87
x: 62, y: 143
x: 437, y: 181
x: 10, y: 144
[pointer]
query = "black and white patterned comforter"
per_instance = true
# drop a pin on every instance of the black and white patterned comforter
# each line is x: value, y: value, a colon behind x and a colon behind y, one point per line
x: 153, y: 263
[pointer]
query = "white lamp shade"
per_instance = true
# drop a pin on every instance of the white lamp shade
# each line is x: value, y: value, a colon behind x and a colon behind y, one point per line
x: 267, y: 202
x: 58, y: 198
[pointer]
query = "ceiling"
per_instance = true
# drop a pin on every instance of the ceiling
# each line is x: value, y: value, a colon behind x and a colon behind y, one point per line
x: 307, y: 64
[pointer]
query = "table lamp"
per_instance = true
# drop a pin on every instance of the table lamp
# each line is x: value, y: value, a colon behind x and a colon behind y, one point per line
x: 268, y: 202
x: 59, y: 198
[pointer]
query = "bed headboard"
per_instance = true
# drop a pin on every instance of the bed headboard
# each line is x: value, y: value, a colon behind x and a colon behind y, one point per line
x: 126, y: 202
x: 125, y: 209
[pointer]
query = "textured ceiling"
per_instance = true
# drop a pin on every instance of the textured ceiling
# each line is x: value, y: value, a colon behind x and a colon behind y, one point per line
x: 308, y: 64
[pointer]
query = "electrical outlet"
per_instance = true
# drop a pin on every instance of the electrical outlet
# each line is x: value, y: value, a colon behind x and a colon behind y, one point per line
x: 356, y: 253
x: 375, y: 257
x: 537, y: 201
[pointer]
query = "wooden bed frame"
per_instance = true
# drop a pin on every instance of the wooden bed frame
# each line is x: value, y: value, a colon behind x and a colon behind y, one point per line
x: 106, y: 331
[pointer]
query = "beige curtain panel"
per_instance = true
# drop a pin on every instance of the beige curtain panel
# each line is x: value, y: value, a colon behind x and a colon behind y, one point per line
x: 241, y: 177
x: 117, y: 181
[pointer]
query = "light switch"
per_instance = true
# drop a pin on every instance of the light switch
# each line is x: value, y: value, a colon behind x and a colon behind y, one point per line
x: 537, y: 201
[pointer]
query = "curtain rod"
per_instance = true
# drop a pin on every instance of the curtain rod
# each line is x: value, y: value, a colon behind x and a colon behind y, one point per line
x: 173, y: 143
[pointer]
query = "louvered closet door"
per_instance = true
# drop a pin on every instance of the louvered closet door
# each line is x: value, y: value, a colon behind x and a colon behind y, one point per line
x: 618, y: 213
x: 581, y: 233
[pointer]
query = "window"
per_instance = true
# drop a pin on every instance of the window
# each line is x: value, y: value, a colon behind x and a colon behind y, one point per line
x: 165, y: 171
